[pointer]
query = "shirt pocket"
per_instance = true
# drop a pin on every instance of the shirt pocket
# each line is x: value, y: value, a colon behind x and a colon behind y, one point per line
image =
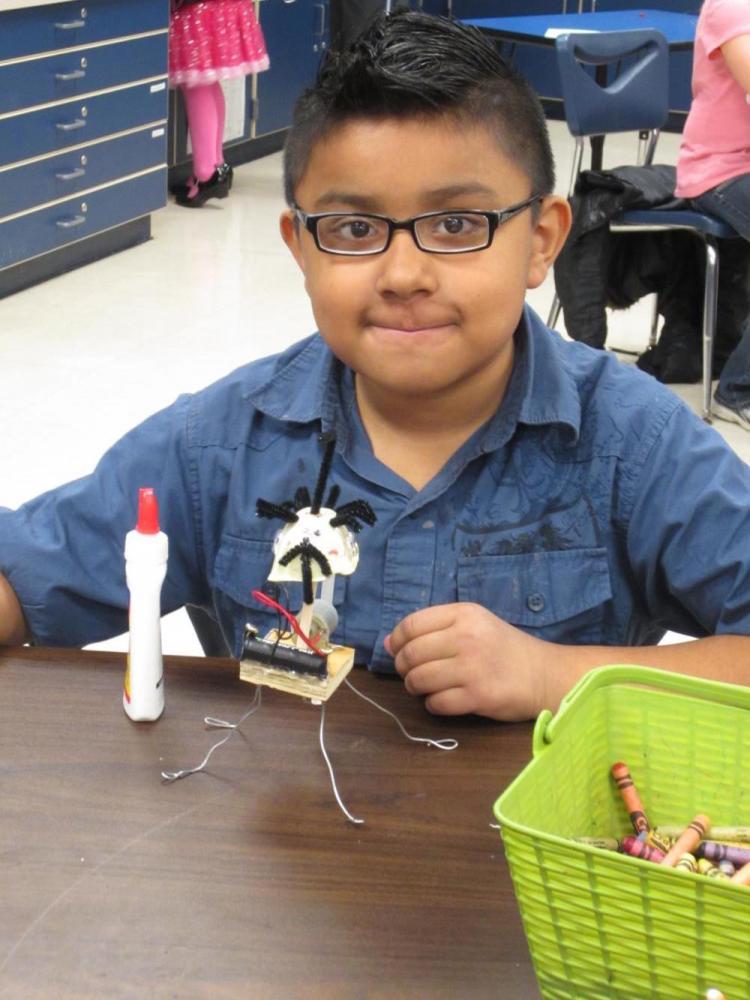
x: 562, y: 596
x: 241, y: 566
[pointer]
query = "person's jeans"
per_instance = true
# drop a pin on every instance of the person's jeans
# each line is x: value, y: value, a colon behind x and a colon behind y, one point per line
x: 730, y: 201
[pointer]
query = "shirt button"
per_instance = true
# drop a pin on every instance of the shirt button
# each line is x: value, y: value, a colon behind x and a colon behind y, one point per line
x: 535, y: 602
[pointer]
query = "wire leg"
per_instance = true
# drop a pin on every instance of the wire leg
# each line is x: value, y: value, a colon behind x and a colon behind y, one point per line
x: 446, y: 744
x: 342, y: 807
x: 216, y: 724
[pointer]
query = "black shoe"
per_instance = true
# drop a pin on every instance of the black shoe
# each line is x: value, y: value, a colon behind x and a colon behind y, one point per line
x: 680, y: 364
x: 217, y: 186
x: 672, y: 361
x: 224, y: 170
x: 649, y: 362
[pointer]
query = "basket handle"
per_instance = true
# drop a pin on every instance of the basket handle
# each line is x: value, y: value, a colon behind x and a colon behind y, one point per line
x: 547, y: 723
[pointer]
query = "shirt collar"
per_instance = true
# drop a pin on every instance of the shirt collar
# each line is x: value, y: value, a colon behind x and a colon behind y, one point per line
x: 549, y: 393
x: 306, y: 386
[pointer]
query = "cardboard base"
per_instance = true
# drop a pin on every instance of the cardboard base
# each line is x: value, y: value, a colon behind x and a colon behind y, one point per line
x: 340, y: 663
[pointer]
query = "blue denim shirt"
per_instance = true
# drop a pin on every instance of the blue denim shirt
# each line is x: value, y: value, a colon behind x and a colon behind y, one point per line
x: 594, y: 507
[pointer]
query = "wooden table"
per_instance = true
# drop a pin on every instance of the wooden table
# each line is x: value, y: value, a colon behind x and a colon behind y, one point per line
x: 246, y: 880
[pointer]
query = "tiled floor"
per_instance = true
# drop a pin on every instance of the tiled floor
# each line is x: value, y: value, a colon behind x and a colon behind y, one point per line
x: 87, y: 355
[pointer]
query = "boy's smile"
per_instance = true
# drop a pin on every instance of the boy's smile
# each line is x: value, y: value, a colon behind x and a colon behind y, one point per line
x: 418, y: 326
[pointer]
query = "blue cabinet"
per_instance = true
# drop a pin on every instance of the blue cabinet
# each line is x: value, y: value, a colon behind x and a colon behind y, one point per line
x: 83, y: 131
x: 49, y: 228
x: 48, y: 27
x: 297, y: 35
x: 67, y: 74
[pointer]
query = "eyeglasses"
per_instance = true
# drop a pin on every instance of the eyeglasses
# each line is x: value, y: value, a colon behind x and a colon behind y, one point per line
x: 357, y: 234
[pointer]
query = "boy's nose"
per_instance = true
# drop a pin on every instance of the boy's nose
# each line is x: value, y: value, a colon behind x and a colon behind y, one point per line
x: 405, y: 270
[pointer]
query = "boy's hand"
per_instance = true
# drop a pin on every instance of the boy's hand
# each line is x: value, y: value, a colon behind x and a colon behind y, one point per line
x: 12, y: 623
x: 465, y: 659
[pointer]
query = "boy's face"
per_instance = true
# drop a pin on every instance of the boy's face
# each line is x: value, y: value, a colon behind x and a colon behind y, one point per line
x: 412, y: 323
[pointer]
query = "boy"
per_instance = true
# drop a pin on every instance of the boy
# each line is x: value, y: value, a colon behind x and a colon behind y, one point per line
x: 541, y: 508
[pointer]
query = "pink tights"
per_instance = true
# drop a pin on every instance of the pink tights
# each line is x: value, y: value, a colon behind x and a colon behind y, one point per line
x: 205, y: 113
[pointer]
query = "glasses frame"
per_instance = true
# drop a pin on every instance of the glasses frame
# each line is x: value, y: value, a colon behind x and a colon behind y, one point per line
x: 495, y: 219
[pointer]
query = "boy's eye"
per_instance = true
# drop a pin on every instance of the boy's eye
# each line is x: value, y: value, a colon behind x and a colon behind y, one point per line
x: 359, y: 228
x: 455, y: 225
x: 453, y: 230
x: 352, y: 233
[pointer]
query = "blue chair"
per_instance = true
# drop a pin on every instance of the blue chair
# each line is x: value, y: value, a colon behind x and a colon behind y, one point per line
x: 635, y: 100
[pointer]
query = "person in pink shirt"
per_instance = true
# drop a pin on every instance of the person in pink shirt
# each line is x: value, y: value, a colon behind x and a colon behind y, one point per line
x: 713, y: 166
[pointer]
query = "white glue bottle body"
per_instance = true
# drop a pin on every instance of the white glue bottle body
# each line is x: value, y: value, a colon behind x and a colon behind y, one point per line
x: 146, y: 551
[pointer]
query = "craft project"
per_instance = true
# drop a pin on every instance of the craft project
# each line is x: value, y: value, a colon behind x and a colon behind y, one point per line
x: 316, y: 542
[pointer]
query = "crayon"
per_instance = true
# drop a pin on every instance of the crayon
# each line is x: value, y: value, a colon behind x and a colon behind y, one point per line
x: 742, y: 876
x: 638, y: 849
x: 688, y: 840
x: 687, y: 863
x: 710, y: 870
x: 727, y: 867
x: 723, y: 852
x: 605, y: 843
x: 718, y: 874
x: 731, y: 843
x: 739, y: 835
x: 630, y: 797
x: 714, y: 995
x: 658, y: 840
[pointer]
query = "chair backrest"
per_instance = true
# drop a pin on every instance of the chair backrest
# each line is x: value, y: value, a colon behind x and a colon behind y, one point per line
x: 637, y: 98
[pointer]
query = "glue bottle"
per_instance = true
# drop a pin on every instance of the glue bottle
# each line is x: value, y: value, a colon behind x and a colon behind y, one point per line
x: 146, y: 550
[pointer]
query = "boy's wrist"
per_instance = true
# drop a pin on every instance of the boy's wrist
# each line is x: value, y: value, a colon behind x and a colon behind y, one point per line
x: 564, y: 667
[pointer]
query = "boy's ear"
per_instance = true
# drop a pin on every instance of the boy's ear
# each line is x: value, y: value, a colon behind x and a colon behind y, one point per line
x: 290, y: 234
x: 550, y: 232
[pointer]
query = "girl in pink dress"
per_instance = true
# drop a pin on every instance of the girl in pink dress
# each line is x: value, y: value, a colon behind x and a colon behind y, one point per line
x: 209, y: 41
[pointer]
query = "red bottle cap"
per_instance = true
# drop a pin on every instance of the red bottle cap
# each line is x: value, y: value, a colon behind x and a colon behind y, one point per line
x: 148, y: 511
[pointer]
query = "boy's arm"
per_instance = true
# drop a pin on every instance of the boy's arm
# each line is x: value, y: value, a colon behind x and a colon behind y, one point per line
x: 61, y: 553
x: 13, y: 629
x: 463, y: 659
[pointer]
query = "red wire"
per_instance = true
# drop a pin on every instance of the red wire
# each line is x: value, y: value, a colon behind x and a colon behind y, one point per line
x: 265, y: 599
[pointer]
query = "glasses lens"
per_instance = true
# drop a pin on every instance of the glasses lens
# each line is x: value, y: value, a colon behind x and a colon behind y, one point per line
x: 352, y: 233
x: 451, y: 232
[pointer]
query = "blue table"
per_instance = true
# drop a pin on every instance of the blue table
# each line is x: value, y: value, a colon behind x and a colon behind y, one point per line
x: 542, y: 29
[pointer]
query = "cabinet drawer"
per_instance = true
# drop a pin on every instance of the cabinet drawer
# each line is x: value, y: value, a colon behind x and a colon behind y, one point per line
x: 73, y: 123
x: 85, y: 167
x: 60, y: 26
x: 66, y: 74
x: 75, y: 219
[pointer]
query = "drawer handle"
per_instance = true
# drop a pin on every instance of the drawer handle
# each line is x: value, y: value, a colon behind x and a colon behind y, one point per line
x: 76, y: 74
x: 71, y: 175
x: 69, y: 25
x: 71, y: 126
x: 322, y: 23
x: 77, y: 220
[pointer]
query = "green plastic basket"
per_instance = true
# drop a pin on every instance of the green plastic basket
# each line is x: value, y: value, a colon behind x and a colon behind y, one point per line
x: 604, y: 925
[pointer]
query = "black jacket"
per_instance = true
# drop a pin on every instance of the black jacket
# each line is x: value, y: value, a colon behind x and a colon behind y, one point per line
x: 597, y: 268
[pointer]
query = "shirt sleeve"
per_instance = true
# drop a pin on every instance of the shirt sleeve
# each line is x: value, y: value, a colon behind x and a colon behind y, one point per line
x: 63, y: 551
x: 689, y: 531
x: 724, y: 20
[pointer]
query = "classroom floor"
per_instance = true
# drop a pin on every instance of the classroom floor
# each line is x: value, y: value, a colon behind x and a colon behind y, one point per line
x: 87, y: 355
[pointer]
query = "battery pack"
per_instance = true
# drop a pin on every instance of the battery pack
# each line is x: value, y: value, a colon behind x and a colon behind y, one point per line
x: 282, y: 656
